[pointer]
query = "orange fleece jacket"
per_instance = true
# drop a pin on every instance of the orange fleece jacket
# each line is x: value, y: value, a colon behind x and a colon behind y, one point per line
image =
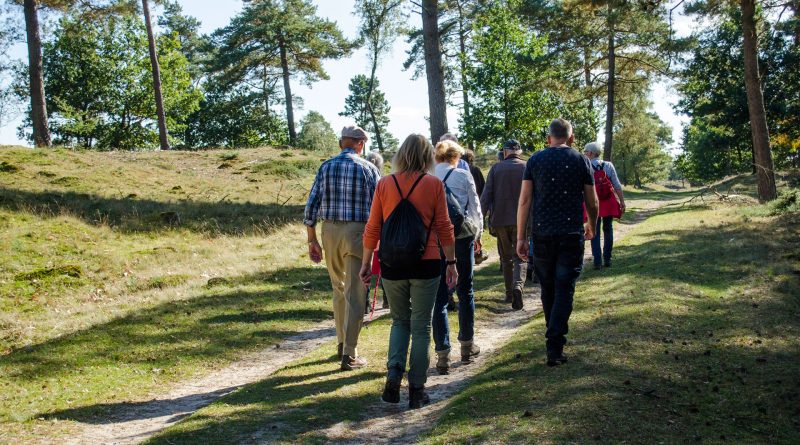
x: 429, y: 200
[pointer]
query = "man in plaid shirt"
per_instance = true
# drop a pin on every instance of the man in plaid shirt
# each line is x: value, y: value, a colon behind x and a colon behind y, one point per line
x: 342, y: 196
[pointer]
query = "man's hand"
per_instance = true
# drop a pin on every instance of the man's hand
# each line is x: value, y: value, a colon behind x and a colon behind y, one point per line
x: 522, y: 249
x: 365, y: 274
x: 588, y: 231
x: 451, y: 277
x: 315, y: 251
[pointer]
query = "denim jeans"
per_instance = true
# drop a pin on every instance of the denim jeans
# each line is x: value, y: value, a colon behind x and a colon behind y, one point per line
x: 608, y: 240
x: 557, y: 262
x: 465, y: 263
x: 411, y: 305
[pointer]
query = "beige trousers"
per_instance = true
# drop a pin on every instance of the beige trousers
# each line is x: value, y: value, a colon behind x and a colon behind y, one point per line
x: 343, y: 248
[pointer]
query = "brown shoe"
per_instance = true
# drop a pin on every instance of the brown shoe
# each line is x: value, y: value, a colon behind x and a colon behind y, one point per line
x: 351, y: 363
x: 443, y: 362
x: 468, y: 350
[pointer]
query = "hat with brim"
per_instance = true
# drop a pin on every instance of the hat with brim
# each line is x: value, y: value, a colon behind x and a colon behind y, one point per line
x: 354, y: 132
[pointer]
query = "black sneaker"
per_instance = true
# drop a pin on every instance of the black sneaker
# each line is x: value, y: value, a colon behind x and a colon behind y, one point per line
x: 391, y: 392
x: 556, y: 359
x: 607, y: 263
x: 516, y: 302
x: 417, y: 397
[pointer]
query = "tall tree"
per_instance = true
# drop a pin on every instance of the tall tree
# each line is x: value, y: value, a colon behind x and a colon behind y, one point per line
x: 157, y: 94
x: 755, y: 105
x: 99, y: 83
x: 437, y: 99
x: 31, y: 8
x: 41, y: 129
x: 367, y: 104
x: 280, y: 33
x: 508, y: 96
x: 380, y: 24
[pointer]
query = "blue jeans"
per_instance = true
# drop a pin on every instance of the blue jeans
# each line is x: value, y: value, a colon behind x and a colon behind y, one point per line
x: 465, y: 263
x: 557, y: 262
x: 608, y: 240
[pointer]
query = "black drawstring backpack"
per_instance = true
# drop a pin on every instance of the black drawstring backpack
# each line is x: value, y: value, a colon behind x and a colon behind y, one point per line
x: 404, y: 237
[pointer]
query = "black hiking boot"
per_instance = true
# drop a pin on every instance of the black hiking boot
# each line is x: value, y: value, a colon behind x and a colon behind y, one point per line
x: 556, y: 359
x: 391, y: 392
x: 516, y: 302
x: 417, y: 397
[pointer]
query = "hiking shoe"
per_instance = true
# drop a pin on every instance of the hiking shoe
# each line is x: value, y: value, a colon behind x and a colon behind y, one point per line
x: 516, y: 302
x: 509, y: 298
x: 607, y: 263
x: 556, y: 359
x: 443, y: 362
x: 481, y: 257
x: 339, y: 350
x: 391, y: 392
x: 351, y: 363
x: 468, y: 350
x: 417, y: 397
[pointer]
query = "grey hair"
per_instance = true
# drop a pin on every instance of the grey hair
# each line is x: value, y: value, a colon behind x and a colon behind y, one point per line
x: 593, y: 147
x: 560, y: 128
x: 376, y: 159
x: 448, y: 137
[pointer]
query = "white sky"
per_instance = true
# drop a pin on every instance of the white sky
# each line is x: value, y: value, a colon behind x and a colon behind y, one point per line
x: 407, y: 98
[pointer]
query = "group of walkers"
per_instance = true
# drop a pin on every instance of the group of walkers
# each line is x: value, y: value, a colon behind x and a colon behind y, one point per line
x: 419, y: 231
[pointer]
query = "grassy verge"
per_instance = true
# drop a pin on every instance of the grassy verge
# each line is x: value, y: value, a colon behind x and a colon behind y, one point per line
x: 692, y: 337
x: 311, y: 394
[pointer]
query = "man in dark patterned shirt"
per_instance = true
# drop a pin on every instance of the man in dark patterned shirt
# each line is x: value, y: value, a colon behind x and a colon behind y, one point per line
x: 558, y: 180
x: 342, y: 196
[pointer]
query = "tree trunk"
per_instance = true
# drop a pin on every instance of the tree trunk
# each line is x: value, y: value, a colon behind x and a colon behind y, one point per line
x: 462, y: 41
x: 370, y: 89
x: 755, y: 105
x: 41, y: 129
x: 151, y: 43
x: 587, y: 74
x: 437, y: 102
x: 612, y: 66
x: 287, y: 89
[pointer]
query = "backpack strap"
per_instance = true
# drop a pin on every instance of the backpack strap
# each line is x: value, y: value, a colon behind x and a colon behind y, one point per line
x: 447, y: 175
x: 397, y: 184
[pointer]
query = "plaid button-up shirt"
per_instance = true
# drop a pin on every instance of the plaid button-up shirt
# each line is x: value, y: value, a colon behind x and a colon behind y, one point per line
x: 342, y: 190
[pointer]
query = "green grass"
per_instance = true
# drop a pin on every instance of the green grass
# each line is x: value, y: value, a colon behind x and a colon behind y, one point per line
x: 692, y: 336
x: 142, y: 268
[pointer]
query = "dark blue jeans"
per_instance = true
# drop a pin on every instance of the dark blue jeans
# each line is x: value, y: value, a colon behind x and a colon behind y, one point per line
x: 608, y: 240
x: 557, y: 262
x: 465, y: 263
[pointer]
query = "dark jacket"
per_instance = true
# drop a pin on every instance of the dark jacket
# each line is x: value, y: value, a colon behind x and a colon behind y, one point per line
x: 477, y: 175
x: 501, y: 194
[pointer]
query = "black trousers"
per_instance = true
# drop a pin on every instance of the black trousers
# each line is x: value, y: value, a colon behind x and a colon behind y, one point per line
x: 557, y: 262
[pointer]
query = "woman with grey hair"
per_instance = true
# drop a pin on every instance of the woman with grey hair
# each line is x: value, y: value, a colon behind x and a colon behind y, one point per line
x: 612, y: 203
x: 376, y: 159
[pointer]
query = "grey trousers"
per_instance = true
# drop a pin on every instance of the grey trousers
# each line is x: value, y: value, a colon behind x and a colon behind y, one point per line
x: 513, y: 267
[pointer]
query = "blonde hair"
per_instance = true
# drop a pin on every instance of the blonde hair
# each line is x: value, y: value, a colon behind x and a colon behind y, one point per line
x: 414, y: 156
x: 448, y: 150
